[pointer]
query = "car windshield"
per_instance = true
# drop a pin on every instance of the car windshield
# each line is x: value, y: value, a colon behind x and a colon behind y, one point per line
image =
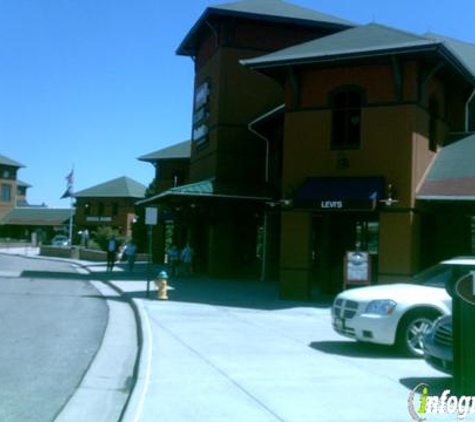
x: 436, y: 276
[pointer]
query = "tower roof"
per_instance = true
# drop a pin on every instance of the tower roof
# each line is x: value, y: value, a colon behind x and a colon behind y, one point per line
x: 264, y: 10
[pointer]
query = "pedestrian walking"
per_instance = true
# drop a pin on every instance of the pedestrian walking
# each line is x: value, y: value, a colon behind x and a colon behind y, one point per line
x: 131, y: 254
x: 111, y: 252
x: 187, y: 255
x: 173, y: 259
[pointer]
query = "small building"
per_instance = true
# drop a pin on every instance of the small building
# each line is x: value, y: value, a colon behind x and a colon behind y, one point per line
x: 109, y: 204
x: 35, y: 224
x: 9, y: 189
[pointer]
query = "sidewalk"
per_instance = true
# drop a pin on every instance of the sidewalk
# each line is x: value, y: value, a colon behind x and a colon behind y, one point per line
x: 222, y: 350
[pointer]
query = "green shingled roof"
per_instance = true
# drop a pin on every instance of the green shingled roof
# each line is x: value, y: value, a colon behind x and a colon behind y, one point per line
x: 269, y: 10
x: 462, y: 51
x: 366, y: 40
x: 369, y: 41
x: 177, y: 151
x: 36, y: 217
x: 9, y: 162
x: 452, y: 174
x: 122, y: 187
x: 207, y: 188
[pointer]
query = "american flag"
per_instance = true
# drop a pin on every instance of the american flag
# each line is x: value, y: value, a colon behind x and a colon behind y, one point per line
x: 69, y: 185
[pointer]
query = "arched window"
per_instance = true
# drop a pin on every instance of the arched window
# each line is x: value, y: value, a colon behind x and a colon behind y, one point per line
x: 346, y: 118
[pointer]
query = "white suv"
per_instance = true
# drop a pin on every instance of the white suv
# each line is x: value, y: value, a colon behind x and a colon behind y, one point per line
x: 399, y: 313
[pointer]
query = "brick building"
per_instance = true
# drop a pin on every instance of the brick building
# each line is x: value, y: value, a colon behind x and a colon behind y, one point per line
x: 109, y: 204
x: 313, y: 137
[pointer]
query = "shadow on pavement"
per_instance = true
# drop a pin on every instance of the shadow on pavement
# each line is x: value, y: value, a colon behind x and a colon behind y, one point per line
x: 54, y: 275
x: 252, y: 294
x: 356, y: 349
x: 436, y: 385
x: 247, y: 293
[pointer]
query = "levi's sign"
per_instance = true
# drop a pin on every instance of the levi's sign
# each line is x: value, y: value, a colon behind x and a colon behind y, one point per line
x: 343, y: 204
x: 336, y: 204
x: 331, y: 204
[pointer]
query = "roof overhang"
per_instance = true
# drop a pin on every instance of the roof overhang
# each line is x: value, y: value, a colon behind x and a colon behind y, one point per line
x: 37, y: 216
x: 203, y: 189
x: 188, y: 46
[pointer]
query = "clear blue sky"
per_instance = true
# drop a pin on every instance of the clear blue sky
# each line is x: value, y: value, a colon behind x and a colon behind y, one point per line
x: 95, y: 84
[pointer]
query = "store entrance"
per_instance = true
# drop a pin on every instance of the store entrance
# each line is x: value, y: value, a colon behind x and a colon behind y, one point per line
x: 332, y: 236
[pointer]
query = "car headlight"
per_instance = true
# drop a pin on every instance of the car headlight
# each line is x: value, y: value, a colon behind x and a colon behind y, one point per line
x: 381, y: 307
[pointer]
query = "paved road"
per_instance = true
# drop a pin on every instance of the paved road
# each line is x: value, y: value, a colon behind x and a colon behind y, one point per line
x: 52, y: 321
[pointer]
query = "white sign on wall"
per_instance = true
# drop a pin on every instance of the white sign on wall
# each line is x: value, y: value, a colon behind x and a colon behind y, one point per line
x: 151, y: 216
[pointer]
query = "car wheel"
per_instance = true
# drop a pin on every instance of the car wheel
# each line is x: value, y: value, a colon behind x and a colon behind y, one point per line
x: 411, y: 332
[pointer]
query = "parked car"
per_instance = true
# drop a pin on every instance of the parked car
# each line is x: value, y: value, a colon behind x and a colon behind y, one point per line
x: 438, y: 345
x: 399, y: 314
x: 60, y: 240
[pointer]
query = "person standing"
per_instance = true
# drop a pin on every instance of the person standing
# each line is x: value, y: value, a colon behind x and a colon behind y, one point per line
x: 111, y: 252
x: 173, y: 259
x: 131, y: 253
x: 187, y: 255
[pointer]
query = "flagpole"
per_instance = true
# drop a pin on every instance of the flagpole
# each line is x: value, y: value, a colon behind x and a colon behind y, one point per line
x: 70, y: 193
x: 71, y: 214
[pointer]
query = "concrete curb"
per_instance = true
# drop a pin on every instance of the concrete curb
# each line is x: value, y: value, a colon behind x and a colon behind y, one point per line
x: 134, y: 406
x: 105, y: 387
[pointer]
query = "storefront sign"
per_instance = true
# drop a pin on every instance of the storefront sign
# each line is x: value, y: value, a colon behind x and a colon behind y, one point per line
x: 357, y: 268
x: 93, y: 219
x: 337, y: 205
x: 151, y: 216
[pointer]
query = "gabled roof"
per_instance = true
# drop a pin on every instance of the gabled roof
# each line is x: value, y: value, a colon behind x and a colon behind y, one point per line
x: 122, y: 187
x: 173, y: 152
x: 36, y: 216
x: 267, y: 10
x: 371, y: 39
x: 9, y: 162
x: 452, y: 174
x: 462, y: 51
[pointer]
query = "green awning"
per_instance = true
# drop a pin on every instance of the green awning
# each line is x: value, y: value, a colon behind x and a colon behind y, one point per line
x: 205, y: 188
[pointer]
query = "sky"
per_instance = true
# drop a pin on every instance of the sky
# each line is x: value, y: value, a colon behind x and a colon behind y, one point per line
x: 91, y: 85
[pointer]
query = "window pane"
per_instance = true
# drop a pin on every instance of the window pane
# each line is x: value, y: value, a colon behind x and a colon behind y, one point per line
x: 346, y: 119
x: 6, y: 193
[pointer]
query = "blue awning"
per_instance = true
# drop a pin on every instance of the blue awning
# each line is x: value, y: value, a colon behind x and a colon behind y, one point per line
x: 340, y: 193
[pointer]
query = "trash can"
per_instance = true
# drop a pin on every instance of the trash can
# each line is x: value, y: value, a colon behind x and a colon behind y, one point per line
x: 462, y: 291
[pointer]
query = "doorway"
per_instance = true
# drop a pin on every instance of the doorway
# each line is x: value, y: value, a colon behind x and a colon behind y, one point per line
x: 332, y: 236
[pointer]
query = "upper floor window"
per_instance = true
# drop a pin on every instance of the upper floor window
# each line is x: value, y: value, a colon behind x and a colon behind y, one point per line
x: 115, y: 209
x: 6, y: 193
x: 346, y: 118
